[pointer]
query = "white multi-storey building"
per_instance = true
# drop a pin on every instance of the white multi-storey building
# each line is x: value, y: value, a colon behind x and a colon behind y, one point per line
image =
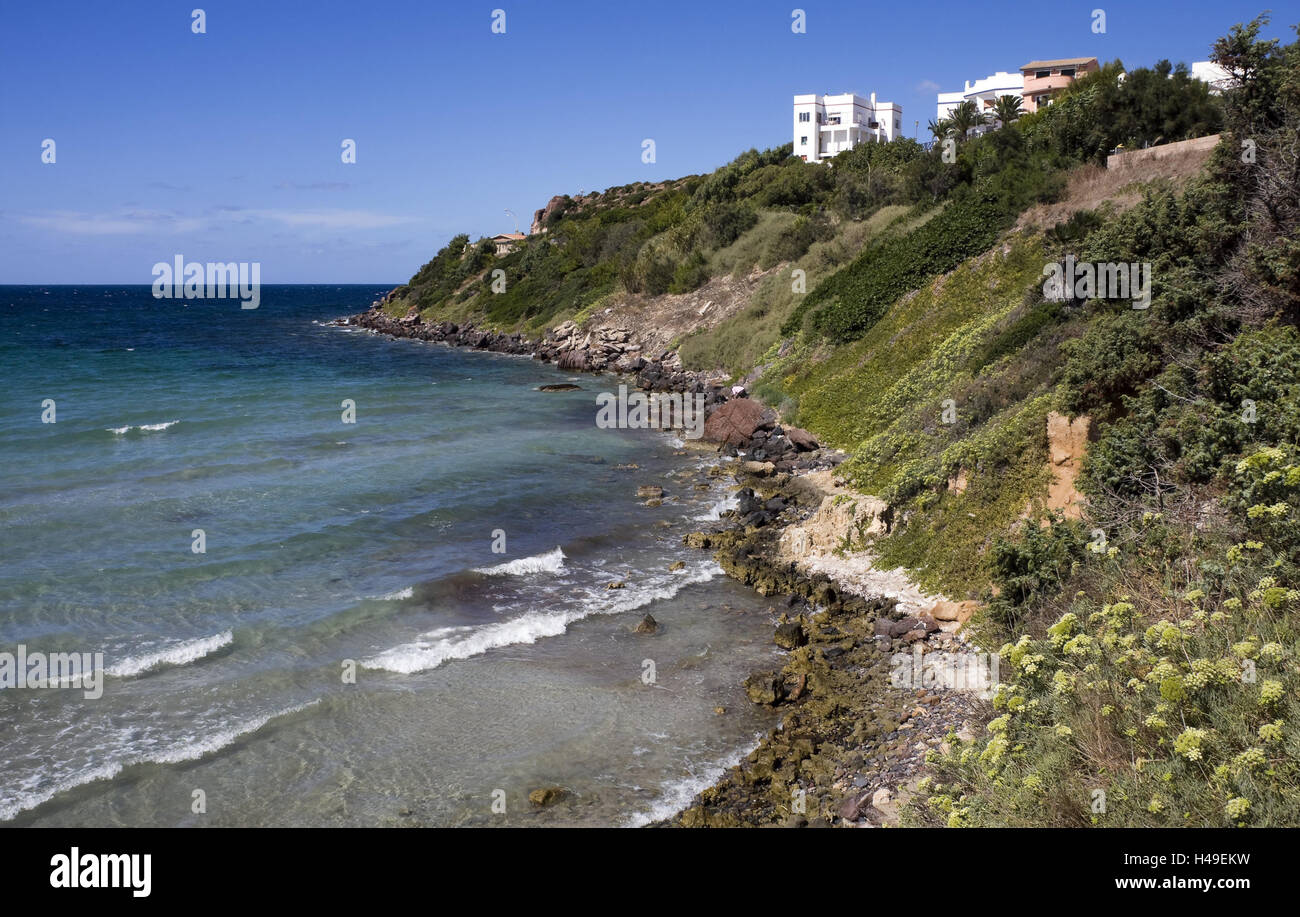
x: 984, y: 93
x: 828, y: 124
x: 1219, y: 79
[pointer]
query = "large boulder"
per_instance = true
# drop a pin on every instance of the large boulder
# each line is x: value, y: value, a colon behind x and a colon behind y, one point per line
x: 573, y: 360
x: 734, y: 422
x: 801, y: 439
x: 960, y: 612
x: 790, y: 635
x: 766, y: 689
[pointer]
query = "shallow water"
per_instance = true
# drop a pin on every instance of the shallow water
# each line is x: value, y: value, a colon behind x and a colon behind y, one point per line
x: 334, y: 547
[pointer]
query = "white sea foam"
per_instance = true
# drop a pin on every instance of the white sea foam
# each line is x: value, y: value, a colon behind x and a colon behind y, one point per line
x: 678, y: 794
x: 444, y: 644
x: 176, y: 654
x: 144, y: 427
x: 550, y: 562
x: 187, y: 748
x: 437, y: 647
x: 400, y: 594
x: 730, y: 501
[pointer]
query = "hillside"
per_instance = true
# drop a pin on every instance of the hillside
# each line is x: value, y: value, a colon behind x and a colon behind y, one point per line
x: 1147, y: 636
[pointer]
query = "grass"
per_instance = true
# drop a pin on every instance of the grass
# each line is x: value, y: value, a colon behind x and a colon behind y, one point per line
x: 739, y: 343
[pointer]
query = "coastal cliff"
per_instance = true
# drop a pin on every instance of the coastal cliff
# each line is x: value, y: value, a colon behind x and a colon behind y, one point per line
x: 1086, y: 491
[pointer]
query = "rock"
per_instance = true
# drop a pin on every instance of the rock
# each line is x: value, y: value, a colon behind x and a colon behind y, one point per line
x: 801, y: 439
x: 676, y: 565
x: 761, y: 469
x: 734, y: 422
x: 719, y: 710
x: 650, y: 491
x: 619, y: 585
x: 960, y: 612
x: 851, y: 808
x: 648, y: 625
x: 1067, y: 442
x: 747, y: 502
x: 545, y: 796
x: 543, y: 217
x: 630, y: 363
x: 884, y: 806
x: 899, y: 628
x: 574, y: 361
x: 766, y: 688
x: 923, y: 623
x: 790, y: 635
x: 559, y: 387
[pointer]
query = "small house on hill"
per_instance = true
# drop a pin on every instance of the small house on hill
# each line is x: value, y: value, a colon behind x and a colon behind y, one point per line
x: 506, y: 241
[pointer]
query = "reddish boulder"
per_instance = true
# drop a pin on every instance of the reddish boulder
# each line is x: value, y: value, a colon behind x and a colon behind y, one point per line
x: 801, y: 439
x: 734, y: 422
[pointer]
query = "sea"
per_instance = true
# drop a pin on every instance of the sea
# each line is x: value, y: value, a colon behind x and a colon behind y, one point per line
x: 328, y: 578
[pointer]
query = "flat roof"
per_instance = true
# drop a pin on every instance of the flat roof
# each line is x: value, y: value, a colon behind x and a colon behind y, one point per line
x: 1063, y: 62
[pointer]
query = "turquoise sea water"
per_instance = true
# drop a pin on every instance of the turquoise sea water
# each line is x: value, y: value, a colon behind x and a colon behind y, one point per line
x: 332, y: 547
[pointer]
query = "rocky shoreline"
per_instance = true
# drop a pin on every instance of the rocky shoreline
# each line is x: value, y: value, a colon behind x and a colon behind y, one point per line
x: 567, y: 346
x: 852, y: 743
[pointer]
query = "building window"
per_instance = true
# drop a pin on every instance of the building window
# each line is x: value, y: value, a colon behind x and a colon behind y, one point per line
x: 803, y: 141
x: 1068, y: 71
x: 1042, y: 74
x: 805, y: 116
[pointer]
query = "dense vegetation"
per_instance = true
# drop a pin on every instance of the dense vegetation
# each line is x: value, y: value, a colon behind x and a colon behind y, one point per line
x: 1151, y: 674
x: 762, y: 209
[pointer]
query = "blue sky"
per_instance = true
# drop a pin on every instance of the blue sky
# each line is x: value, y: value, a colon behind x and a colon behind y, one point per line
x: 226, y: 146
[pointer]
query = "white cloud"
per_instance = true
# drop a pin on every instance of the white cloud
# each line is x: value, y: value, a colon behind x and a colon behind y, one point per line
x: 110, y: 224
x: 928, y: 86
x: 333, y: 219
x: 127, y: 222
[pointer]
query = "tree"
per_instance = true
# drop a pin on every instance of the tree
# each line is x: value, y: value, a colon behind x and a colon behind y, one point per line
x: 1253, y: 68
x: 1007, y: 109
x: 965, y: 118
x: 941, y: 128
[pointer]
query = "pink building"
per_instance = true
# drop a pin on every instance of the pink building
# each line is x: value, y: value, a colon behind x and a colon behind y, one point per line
x: 1045, y: 78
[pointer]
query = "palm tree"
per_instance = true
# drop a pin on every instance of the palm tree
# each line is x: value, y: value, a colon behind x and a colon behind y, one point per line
x: 941, y: 128
x: 1007, y: 109
x: 965, y: 118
